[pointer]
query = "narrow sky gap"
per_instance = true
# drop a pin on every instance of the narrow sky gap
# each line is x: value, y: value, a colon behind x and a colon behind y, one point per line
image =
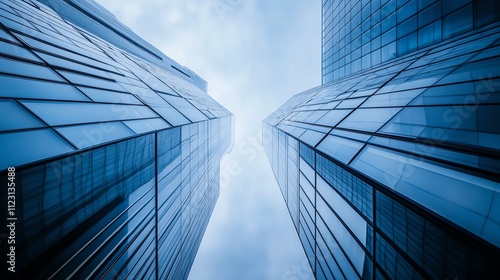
x: 254, y: 55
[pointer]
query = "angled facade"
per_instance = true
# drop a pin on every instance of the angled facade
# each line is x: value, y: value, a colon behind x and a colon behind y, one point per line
x: 109, y: 150
x: 390, y: 168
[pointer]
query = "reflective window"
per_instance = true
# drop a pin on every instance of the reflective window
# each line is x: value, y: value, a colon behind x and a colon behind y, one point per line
x: 27, y: 69
x: 345, y: 212
x: 429, y: 14
x: 18, y: 51
x: 100, y: 95
x: 185, y: 108
x: 19, y: 148
x: 394, y: 264
x: 88, y: 135
x: 6, y: 36
x: 368, y: 119
x: 340, y: 148
x: 307, y: 154
x: 16, y: 117
x: 343, y: 249
x: 170, y: 114
x: 146, y: 125
x: 428, y: 245
x: 61, y: 113
x: 406, y: 176
x: 429, y: 34
x: 457, y: 22
x: 85, y: 80
x: 351, y: 187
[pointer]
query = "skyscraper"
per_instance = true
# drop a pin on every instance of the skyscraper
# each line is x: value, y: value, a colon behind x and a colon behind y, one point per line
x: 391, y: 168
x: 110, y: 151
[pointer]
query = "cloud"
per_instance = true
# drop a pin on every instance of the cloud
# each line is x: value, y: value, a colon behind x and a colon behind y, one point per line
x: 254, y: 55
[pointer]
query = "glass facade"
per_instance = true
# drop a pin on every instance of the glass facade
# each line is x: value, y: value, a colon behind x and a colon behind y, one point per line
x: 359, y: 34
x: 116, y: 148
x: 390, y: 169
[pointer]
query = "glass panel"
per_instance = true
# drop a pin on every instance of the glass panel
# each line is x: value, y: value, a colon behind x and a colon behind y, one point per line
x: 350, y: 103
x: 15, y: 50
x: 340, y: 148
x: 368, y: 119
x: 27, y: 69
x: 391, y: 99
x: 185, y: 108
x: 15, y: 117
x: 351, y: 187
x: 345, y: 240
x: 333, y: 117
x: 460, y: 197
x: 393, y: 263
x: 430, y: 14
x: 146, y: 125
x: 84, y: 136
x: 170, y: 114
x: 27, y: 88
x: 487, y: 12
x: 408, y: 43
x: 74, y: 66
x: 329, y: 259
x: 347, y: 214
x: 91, y: 81
x: 431, y: 245
x: 100, y: 95
x: 19, y: 147
x: 311, y: 137
x: 429, y: 34
x: 6, y: 36
x: 457, y: 22
x: 61, y: 113
x: 451, y: 5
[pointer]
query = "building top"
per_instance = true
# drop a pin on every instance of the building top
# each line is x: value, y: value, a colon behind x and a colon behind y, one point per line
x: 359, y: 34
x: 89, y: 15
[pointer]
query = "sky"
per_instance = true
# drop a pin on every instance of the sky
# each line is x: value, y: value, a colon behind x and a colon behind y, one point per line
x: 254, y: 55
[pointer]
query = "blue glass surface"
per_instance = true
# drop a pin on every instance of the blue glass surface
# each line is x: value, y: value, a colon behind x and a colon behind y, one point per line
x: 17, y: 116
x: 339, y: 148
x: 87, y: 135
x: 18, y: 147
x: 61, y: 113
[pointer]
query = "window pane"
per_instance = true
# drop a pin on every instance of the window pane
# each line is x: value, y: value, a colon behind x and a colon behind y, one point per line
x: 85, y: 80
x: 185, y: 108
x: 61, y: 113
x: 340, y: 148
x: 16, y: 117
x: 411, y: 177
x: 170, y: 114
x: 27, y: 69
x: 89, y: 135
x: 430, y: 14
x: 457, y: 22
x: 487, y: 11
x: 100, y: 95
x: 368, y: 119
x: 15, y: 50
x: 146, y: 125
x: 429, y: 34
x: 28, y: 88
x: 19, y: 147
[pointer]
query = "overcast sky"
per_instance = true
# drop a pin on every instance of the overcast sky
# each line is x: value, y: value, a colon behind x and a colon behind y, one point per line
x: 254, y: 55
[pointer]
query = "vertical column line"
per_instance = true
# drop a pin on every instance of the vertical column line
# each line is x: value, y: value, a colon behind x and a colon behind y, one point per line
x: 156, y: 203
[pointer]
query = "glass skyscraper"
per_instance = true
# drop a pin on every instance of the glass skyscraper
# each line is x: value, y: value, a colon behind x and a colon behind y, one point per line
x: 391, y: 168
x: 109, y: 150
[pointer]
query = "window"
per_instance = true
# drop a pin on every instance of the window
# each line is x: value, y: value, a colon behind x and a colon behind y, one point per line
x: 457, y: 22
